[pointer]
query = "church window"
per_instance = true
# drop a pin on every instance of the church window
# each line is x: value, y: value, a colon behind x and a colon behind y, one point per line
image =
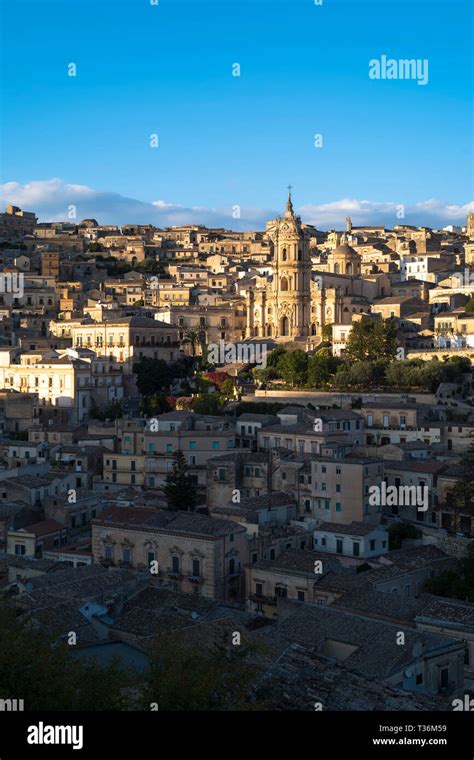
x: 284, y: 284
x: 300, y: 256
x: 283, y: 254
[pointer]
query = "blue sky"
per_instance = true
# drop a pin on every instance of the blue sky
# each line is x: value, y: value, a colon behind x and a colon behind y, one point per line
x: 225, y: 140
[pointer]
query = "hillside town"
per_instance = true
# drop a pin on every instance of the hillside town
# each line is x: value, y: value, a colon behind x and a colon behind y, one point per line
x: 254, y: 442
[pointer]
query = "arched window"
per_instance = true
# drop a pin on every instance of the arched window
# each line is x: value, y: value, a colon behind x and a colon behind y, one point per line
x: 348, y: 268
x: 283, y: 254
x: 283, y: 283
x: 336, y: 268
x: 300, y: 256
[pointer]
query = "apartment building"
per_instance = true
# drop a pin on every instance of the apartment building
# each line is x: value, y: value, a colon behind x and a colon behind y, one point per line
x: 340, y: 490
x: 290, y: 576
x: 127, y: 340
x: 401, y: 422
x: 359, y: 541
x: 195, y: 554
x: 15, y: 224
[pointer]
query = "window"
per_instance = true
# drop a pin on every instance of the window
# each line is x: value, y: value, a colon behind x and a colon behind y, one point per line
x: 150, y: 557
x: 272, y: 553
x: 169, y: 448
x: 231, y: 566
x: 175, y: 564
x: 327, y: 504
x: 338, y: 470
x: 339, y: 545
x: 301, y: 596
x: 372, y: 545
x: 221, y: 473
x: 281, y: 592
x: 192, y: 444
x: 323, y: 541
x: 108, y: 552
x: 259, y: 589
x: 196, y: 568
x: 338, y: 488
x: 356, y: 549
x: 254, y: 557
x: 126, y: 555
x: 20, y: 550
x: 419, y: 679
x: 338, y: 506
x: 215, y: 444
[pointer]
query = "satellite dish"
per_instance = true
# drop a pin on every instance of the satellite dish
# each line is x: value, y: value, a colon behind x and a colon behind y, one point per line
x: 194, y: 615
x: 408, y: 673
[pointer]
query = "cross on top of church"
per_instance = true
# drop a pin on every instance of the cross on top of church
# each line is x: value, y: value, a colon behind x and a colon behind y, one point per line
x: 289, y: 188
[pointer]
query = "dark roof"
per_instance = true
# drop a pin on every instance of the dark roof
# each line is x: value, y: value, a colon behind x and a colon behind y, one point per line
x: 354, y: 529
x: 172, y: 522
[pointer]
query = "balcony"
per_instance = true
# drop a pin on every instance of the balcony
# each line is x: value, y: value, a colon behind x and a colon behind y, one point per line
x: 175, y: 575
x: 261, y: 599
x: 195, y: 579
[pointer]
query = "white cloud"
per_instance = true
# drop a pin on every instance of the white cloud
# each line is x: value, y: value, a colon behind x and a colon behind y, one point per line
x: 51, y: 200
x: 430, y: 213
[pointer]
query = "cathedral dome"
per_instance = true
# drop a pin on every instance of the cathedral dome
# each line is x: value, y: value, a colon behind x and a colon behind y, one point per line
x: 344, y: 251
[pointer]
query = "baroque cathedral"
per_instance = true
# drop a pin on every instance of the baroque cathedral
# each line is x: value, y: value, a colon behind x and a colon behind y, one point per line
x: 297, y: 303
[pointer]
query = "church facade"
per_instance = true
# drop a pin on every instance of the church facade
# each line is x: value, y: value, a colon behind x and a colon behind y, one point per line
x: 297, y: 303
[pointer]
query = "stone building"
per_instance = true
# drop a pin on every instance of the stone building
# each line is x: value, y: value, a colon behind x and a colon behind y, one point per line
x: 195, y: 553
x: 283, y: 309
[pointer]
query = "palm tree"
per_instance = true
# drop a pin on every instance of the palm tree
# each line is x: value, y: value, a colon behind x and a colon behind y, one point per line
x: 192, y: 336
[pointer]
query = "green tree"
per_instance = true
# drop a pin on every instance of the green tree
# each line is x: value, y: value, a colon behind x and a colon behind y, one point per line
x: 227, y: 388
x: 372, y: 340
x: 179, y: 489
x: 153, y: 376
x: 400, y: 531
x: 95, y: 247
x: 192, y: 336
x: 327, y: 332
x: 208, y: 403
x: 321, y: 367
x: 293, y: 367
x: 53, y: 679
x: 462, y: 495
x: 469, y: 307
x: 218, y: 677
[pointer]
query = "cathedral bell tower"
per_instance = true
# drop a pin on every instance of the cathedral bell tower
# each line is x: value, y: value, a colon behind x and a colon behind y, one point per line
x: 290, y: 287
